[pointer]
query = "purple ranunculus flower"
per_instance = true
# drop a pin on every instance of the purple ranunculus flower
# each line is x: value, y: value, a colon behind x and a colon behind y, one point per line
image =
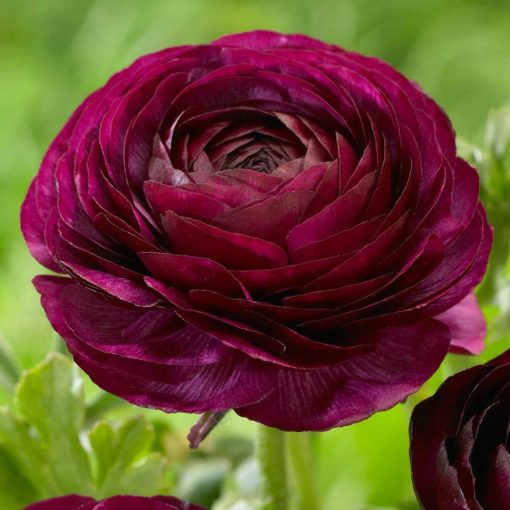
x: 460, y: 441
x: 75, y: 502
x: 268, y: 224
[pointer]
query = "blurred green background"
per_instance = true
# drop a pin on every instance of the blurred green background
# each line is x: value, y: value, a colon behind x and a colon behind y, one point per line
x: 54, y: 52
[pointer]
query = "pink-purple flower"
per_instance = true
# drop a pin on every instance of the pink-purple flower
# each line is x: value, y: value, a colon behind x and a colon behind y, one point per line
x: 267, y: 223
x: 75, y: 502
x: 460, y: 441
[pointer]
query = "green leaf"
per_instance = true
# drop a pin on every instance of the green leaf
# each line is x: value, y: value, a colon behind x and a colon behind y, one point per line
x: 25, y: 452
x: 50, y: 397
x: 15, y: 490
x: 121, y: 461
x: 40, y: 439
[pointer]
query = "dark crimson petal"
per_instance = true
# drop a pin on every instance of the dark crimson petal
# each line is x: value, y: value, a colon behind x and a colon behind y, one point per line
x: 380, y: 201
x: 73, y: 502
x: 163, y: 198
x: 352, y: 267
x: 442, y: 133
x: 141, y: 503
x: 307, y: 180
x: 69, y: 208
x: 155, y: 335
x: 347, y: 161
x: 495, y: 485
x: 142, y: 130
x: 185, y: 271
x: 122, y: 233
x: 265, y: 282
x: 343, y: 242
x: 467, y: 326
x: 224, y: 190
x: 256, y: 180
x: 257, y: 336
x: 264, y: 39
x: 336, y: 297
x: 430, y: 427
x: 189, y: 387
x: 215, y: 302
x: 339, y: 215
x: 361, y: 315
x: 351, y: 391
x: 452, y: 286
x: 130, y: 288
x: 460, y: 455
x: 31, y: 221
x: 327, y: 190
x: 461, y: 270
x: 41, y: 197
x: 292, y: 349
x: 465, y: 191
x: 365, y: 165
x: 233, y: 250
x: 271, y: 219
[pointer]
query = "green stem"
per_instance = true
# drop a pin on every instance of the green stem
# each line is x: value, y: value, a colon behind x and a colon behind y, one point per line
x: 302, y: 466
x: 273, y: 468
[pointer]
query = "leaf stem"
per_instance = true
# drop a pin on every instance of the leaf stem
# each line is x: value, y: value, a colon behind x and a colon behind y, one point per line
x: 301, y: 460
x: 272, y: 458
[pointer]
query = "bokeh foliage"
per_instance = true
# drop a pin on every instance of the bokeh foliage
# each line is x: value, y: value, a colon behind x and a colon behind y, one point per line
x: 54, y: 52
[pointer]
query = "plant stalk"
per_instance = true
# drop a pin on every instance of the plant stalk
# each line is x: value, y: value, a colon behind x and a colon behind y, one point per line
x: 301, y: 460
x: 272, y: 458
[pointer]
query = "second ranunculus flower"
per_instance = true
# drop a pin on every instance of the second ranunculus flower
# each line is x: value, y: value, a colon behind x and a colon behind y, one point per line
x: 268, y: 224
x: 460, y: 446
x: 75, y: 502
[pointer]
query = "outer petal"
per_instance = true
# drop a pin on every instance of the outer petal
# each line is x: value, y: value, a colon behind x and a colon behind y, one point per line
x: 75, y: 502
x: 495, y: 486
x: 265, y: 39
x: 142, y: 372
x: 72, y: 502
x: 32, y: 226
x: 141, y: 503
x: 467, y: 326
x: 321, y: 399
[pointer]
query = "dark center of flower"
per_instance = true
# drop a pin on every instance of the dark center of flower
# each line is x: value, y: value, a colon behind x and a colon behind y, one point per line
x: 239, y: 139
x: 258, y: 154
